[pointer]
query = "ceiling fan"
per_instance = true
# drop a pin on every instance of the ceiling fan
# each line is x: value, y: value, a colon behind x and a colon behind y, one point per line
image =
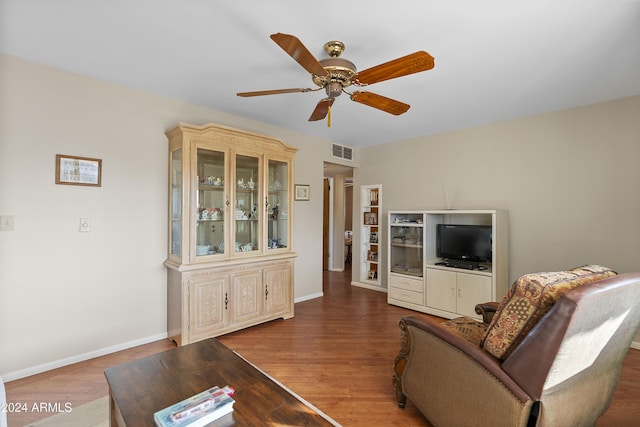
x: 334, y: 74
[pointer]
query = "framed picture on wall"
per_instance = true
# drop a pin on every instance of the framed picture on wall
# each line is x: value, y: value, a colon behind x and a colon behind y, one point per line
x: 74, y: 170
x: 301, y: 192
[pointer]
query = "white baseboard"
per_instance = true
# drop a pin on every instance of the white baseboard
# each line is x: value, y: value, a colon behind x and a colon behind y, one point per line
x: 367, y: 286
x: 80, y: 358
x: 22, y: 373
x: 308, y: 297
x: 636, y: 345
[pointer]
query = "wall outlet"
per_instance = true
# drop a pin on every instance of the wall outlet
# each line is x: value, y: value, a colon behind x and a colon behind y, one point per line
x: 85, y: 225
x: 7, y: 223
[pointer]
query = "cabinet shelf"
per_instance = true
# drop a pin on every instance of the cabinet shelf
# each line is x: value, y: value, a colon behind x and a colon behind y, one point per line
x: 406, y: 245
x: 417, y: 272
x: 487, y: 272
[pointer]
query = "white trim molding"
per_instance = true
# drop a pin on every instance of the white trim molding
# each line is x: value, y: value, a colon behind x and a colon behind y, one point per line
x: 80, y: 357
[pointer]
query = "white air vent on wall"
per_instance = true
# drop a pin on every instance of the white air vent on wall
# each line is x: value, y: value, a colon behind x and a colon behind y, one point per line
x: 342, y: 152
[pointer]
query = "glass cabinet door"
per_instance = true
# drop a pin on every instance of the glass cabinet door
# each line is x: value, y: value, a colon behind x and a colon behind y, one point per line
x: 277, y: 205
x: 246, y: 213
x: 175, y: 199
x: 211, y: 203
x: 405, y: 252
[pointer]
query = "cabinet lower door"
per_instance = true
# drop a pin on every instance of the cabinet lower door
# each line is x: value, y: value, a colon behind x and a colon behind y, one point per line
x: 246, y: 292
x: 441, y: 289
x: 277, y: 282
x: 472, y: 289
x: 208, y: 301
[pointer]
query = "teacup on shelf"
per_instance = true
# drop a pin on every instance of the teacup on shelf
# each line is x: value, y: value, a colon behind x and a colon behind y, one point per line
x: 202, y: 249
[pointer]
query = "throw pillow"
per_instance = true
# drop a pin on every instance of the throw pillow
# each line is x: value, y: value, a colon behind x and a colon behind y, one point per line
x: 467, y: 328
x: 528, y: 300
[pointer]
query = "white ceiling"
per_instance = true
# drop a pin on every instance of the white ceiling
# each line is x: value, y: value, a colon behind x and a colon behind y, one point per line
x: 495, y: 59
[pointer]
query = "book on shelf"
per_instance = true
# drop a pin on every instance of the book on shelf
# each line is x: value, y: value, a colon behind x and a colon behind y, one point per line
x: 373, y: 197
x: 198, y: 410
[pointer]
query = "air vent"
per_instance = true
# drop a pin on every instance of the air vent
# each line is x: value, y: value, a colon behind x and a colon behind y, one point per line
x: 342, y: 152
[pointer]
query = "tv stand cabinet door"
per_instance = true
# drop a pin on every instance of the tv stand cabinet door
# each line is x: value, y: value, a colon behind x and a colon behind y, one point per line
x: 473, y: 289
x: 441, y: 289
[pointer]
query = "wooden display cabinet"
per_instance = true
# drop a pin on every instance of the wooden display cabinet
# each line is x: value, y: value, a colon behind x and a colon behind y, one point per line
x: 230, y: 261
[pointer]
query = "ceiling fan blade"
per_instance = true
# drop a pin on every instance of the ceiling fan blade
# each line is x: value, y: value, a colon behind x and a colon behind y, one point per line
x: 413, y: 63
x: 321, y: 110
x: 294, y: 47
x: 380, y: 102
x: 273, y: 92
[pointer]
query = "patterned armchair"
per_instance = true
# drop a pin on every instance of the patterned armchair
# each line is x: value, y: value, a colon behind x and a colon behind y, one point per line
x: 549, y: 354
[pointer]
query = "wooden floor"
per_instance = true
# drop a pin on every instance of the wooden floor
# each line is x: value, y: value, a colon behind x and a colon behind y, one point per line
x: 337, y: 353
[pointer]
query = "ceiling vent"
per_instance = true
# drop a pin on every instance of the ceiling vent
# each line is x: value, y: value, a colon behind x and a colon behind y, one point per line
x: 342, y: 152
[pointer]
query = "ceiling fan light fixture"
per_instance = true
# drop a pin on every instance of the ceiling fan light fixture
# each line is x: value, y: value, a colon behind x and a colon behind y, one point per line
x: 333, y: 89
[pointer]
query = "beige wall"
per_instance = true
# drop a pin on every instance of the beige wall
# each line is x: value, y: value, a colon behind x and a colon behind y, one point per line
x: 570, y: 181
x: 66, y: 295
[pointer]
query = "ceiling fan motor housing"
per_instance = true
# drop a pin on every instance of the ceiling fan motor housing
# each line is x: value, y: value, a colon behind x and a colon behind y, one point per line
x: 340, y: 70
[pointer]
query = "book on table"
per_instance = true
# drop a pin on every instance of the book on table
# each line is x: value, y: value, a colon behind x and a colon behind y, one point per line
x: 197, y: 410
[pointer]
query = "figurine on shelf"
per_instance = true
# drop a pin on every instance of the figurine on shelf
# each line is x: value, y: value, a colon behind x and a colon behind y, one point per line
x: 216, y: 214
x: 251, y: 184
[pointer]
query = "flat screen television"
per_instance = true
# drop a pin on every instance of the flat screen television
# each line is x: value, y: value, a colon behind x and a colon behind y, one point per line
x: 464, y: 242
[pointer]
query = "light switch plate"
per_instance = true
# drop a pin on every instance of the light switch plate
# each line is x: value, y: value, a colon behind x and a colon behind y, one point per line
x: 85, y: 225
x: 7, y: 223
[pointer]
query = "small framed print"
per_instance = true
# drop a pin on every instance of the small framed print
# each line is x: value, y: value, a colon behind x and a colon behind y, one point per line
x: 301, y: 192
x: 74, y: 170
x: 370, y: 218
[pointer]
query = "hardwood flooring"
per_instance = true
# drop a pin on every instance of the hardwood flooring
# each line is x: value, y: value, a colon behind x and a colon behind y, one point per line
x: 337, y: 353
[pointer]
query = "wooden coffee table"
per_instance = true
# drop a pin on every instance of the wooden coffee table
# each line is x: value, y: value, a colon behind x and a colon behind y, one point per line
x: 139, y: 388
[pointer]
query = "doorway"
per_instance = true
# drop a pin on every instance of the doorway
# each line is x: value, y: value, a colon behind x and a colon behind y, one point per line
x: 337, y: 217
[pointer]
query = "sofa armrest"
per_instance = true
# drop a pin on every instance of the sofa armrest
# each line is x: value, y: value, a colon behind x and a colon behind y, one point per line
x: 487, y: 310
x: 487, y: 361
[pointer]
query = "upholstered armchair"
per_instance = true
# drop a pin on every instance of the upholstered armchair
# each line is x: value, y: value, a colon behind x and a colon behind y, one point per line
x: 549, y: 354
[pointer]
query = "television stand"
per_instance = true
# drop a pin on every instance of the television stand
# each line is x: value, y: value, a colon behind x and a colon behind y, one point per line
x: 445, y: 286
